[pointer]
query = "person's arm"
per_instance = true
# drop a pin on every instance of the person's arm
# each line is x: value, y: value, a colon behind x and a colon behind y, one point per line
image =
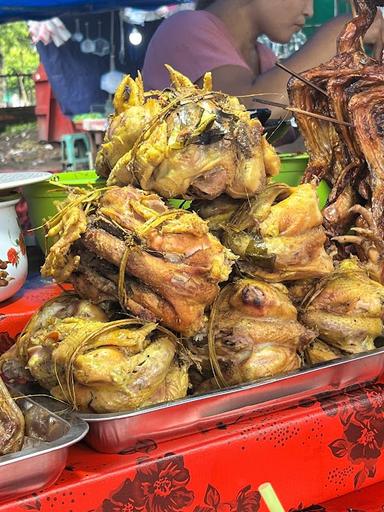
x: 272, y: 85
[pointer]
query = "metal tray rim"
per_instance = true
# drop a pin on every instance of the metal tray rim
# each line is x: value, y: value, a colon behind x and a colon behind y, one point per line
x: 100, y: 417
x: 77, y: 431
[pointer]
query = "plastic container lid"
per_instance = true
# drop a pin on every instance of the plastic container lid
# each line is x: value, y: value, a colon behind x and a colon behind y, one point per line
x: 74, y: 178
x: 70, y: 179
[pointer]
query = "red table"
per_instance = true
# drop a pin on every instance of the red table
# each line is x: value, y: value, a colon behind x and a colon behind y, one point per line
x: 301, y: 451
x: 16, y: 311
x: 320, y: 450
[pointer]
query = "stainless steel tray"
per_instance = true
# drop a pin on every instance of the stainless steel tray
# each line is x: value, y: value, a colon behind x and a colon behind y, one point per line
x: 113, y: 433
x: 40, y: 465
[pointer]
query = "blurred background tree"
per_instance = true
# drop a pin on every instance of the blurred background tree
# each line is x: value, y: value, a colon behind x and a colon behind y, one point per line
x: 17, y: 56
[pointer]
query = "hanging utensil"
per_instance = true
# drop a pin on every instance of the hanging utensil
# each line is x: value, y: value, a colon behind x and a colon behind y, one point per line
x: 122, y: 39
x: 102, y: 46
x: 88, y: 45
x: 77, y: 36
x: 110, y: 80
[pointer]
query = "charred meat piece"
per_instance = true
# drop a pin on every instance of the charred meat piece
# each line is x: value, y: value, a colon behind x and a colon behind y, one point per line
x: 365, y: 242
x: 322, y: 140
x: 355, y: 181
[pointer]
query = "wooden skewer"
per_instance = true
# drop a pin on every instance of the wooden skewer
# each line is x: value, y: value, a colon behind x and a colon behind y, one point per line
x: 304, y: 112
x: 297, y: 75
x: 319, y: 116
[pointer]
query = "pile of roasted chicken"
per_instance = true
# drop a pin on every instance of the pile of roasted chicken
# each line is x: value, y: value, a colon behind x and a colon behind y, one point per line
x: 251, y: 281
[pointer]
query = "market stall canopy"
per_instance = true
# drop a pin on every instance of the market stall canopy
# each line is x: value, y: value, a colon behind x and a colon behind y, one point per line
x: 12, y: 10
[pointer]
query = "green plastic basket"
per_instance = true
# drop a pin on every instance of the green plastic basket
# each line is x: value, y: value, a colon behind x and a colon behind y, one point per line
x: 292, y: 169
x: 41, y: 197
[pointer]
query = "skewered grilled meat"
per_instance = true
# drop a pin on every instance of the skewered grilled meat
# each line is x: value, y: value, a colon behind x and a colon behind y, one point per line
x: 360, y: 179
x: 320, y: 136
x: 254, y: 332
x: 346, y: 308
x: 278, y: 235
x: 334, y: 153
x: 367, y: 113
x: 160, y: 264
x: 185, y: 142
x: 322, y: 140
x: 11, y: 423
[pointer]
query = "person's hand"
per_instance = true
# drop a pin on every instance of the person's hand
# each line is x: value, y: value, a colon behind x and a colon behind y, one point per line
x: 375, y: 36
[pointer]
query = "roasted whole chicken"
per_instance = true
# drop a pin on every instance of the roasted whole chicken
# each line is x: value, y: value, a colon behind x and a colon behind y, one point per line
x: 11, y: 423
x: 279, y: 235
x: 106, y: 366
x: 159, y: 264
x: 346, y: 309
x: 253, y: 333
x: 185, y: 142
x: 71, y: 349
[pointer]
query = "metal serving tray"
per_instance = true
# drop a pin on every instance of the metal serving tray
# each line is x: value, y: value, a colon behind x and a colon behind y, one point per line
x: 117, y: 432
x: 41, y: 464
